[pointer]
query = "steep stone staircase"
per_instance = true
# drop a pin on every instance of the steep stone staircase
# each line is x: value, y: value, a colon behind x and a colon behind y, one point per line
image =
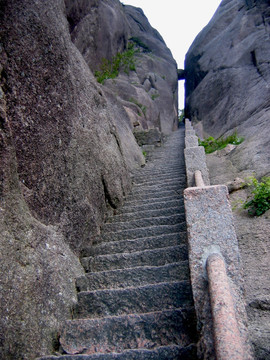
x: 135, y: 300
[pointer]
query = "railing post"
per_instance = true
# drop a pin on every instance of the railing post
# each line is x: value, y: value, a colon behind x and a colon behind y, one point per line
x: 228, y: 341
x: 199, y: 179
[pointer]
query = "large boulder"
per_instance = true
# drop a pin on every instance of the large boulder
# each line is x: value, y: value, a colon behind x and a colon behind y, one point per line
x: 107, y: 27
x: 227, y: 80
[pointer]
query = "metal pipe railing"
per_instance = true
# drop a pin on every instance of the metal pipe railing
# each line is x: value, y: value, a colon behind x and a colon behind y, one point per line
x: 228, y: 341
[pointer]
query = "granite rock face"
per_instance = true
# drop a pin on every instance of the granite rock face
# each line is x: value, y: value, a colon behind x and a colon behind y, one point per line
x: 107, y: 27
x: 67, y: 150
x: 227, y: 80
x: 37, y: 266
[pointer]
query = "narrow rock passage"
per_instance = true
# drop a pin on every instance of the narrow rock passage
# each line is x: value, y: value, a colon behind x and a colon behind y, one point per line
x: 135, y: 300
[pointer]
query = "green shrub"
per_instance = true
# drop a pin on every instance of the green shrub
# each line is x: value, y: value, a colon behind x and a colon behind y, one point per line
x: 154, y: 96
x: 121, y: 61
x: 141, y: 106
x: 261, y: 196
x: 141, y: 44
x: 211, y: 144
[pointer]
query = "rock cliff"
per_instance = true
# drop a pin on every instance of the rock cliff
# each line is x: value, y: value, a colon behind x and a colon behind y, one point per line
x: 148, y: 93
x: 67, y: 148
x: 227, y: 89
x: 228, y: 76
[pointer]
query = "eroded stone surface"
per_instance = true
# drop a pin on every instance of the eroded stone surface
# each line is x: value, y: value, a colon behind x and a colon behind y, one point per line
x: 140, y: 299
x: 160, y: 353
x: 115, y: 334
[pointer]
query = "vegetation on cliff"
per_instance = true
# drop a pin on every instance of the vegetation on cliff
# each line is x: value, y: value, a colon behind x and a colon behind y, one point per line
x: 211, y: 144
x: 260, y: 191
x: 125, y: 61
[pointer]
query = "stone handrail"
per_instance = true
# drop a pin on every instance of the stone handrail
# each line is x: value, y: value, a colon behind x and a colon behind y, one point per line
x: 228, y: 341
x: 214, y: 260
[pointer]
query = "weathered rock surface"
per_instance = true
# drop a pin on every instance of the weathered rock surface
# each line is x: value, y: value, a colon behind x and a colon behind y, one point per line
x: 227, y: 80
x: 67, y: 150
x: 37, y: 266
x: 106, y: 27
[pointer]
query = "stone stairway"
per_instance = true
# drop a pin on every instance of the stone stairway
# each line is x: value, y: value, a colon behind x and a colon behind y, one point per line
x: 135, y: 301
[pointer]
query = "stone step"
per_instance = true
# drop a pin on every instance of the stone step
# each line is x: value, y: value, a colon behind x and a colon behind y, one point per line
x: 136, y: 304
x: 164, y: 163
x: 160, y: 180
x: 136, y: 331
x: 153, y: 175
x: 155, y: 195
x: 156, y: 167
x: 128, y: 246
x: 177, y: 179
x: 165, y: 158
x: 142, y: 223
x: 128, y: 216
x: 155, y: 172
x: 146, y: 206
x: 155, y: 257
x: 142, y: 232
x: 142, y: 189
x: 133, y: 300
x: 130, y: 202
x: 142, y: 275
x: 167, y: 154
x: 172, y: 352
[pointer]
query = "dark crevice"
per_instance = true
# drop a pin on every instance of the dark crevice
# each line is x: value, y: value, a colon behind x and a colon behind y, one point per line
x: 108, y: 197
x: 193, y: 73
x: 72, y: 23
x: 117, y: 142
x: 254, y: 62
x: 253, y: 58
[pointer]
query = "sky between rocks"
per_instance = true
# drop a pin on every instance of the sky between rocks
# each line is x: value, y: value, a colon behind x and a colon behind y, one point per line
x: 178, y: 22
